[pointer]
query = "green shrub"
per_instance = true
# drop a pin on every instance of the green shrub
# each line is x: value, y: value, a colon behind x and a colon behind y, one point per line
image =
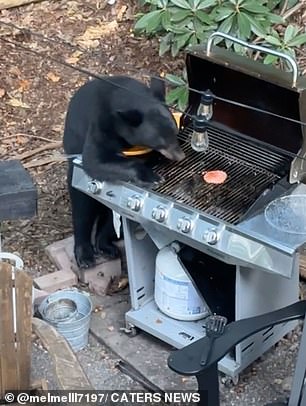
x: 181, y: 23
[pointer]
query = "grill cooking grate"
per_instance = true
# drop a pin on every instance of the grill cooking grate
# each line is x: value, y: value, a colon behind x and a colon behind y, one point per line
x: 250, y: 168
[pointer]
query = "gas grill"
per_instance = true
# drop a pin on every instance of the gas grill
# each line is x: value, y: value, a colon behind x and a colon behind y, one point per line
x: 250, y: 169
x: 242, y: 266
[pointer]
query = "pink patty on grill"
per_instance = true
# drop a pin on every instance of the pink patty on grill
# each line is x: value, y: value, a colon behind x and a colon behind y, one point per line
x: 215, y: 177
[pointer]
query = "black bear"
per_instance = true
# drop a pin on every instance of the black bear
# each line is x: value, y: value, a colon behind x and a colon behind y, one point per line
x: 104, y: 117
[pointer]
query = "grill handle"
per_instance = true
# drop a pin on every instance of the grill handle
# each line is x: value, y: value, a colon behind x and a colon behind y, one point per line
x: 288, y: 58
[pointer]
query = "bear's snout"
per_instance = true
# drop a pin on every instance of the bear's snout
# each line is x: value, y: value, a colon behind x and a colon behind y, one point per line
x: 173, y: 152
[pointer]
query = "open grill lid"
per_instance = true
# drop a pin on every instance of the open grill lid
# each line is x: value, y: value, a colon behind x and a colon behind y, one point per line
x: 242, y: 80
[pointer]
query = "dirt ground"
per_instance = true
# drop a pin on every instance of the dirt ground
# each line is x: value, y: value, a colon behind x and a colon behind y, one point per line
x: 34, y: 93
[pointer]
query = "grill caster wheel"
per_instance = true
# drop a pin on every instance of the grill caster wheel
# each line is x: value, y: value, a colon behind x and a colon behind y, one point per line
x: 229, y: 380
x: 130, y: 330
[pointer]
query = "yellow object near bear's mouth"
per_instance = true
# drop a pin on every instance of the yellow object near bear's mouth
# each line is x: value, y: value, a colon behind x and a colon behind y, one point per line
x: 134, y: 151
x: 138, y: 150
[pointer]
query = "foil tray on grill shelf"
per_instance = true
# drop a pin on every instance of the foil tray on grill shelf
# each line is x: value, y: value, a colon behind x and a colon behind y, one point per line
x: 251, y: 169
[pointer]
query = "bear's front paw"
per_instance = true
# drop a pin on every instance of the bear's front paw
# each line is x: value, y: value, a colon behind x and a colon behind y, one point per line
x: 146, y: 177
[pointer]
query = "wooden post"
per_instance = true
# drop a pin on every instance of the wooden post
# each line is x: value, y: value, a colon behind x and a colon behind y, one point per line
x: 15, y: 329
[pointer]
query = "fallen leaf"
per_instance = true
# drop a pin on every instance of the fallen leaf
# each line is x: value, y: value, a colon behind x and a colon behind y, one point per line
x: 94, y: 33
x: 121, y: 13
x: 23, y: 85
x: 102, y: 315
x: 123, y: 283
x: 21, y: 140
x: 2, y: 92
x: 74, y: 58
x: 15, y: 71
x: 18, y: 103
x: 53, y: 77
x: 110, y: 328
x: 58, y: 128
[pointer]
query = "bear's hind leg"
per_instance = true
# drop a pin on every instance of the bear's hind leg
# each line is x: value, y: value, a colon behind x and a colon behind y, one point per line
x: 84, y: 213
x: 105, y: 234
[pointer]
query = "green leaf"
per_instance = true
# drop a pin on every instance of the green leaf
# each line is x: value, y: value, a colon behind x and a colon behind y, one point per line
x: 275, y: 19
x: 297, y: 41
x: 273, y: 40
x: 203, y: 17
x: 239, y: 49
x: 270, y: 59
x: 193, y: 40
x: 165, y: 44
x: 149, y: 22
x: 178, y: 30
x: 290, y: 33
x: 174, y: 49
x: 207, y: 3
x: 243, y: 25
x: 183, y: 99
x: 173, y: 95
x: 182, y: 4
x: 196, y: 3
x: 256, y: 27
x: 165, y: 20
x: 202, y: 37
x: 183, y: 39
x: 175, y: 80
x: 272, y: 4
x: 180, y: 15
x: 226, y: 25
x: 224, y: 12
x: 254, y: 7
x: 164, y: 47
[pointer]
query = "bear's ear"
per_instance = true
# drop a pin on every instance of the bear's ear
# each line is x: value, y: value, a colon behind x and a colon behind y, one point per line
x: 158, y: 88
x: 132, y: 117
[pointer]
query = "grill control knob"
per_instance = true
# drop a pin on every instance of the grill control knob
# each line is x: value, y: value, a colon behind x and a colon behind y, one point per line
x: 184, y: 224
x: 94, y: 186
x: 211, y: 237
x: 159, y: 214
x: 134, y: 203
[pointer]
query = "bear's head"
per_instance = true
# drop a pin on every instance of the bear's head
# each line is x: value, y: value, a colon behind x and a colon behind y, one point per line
x: 143, y: 119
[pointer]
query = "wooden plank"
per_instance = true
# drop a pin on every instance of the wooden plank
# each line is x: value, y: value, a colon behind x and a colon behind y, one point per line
x: 15, y: 3
x: 7, y: 337
x: 68, y: 370
x: 23, y: 289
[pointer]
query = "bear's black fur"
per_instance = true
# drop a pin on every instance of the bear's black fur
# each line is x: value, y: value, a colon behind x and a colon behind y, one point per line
x: 103, y: 118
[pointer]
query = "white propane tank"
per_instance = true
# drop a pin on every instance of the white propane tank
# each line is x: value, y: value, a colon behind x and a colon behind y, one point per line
x: 174, y: 292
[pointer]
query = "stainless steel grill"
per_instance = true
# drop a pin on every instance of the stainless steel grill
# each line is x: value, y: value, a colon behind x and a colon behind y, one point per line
x: 251, y: 169
x: 245, y: 266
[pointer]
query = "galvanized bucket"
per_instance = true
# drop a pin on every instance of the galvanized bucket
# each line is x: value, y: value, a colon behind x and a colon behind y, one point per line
x: 69, y: 312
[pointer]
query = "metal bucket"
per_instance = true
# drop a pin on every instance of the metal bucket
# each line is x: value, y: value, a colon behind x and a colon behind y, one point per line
x: 69, y: 312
